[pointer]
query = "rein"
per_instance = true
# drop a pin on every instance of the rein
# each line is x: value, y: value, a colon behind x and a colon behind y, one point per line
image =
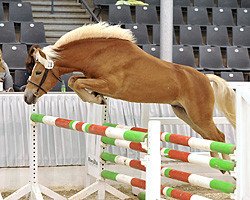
x: 49, y: 65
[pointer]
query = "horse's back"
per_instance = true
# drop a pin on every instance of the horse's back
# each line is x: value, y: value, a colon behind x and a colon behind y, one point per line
x: 149, y: 79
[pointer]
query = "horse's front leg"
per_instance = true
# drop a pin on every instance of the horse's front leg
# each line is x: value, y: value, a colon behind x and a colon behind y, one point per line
x: 81, y: 85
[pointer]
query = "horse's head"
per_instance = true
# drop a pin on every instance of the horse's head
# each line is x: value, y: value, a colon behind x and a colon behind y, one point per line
x: 44, y: 75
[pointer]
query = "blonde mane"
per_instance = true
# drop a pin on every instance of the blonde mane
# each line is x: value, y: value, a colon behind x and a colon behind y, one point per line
x: 100, y: 30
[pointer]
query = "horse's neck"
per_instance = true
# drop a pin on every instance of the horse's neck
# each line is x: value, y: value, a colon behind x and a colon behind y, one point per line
x: 88, y: 55
x: 74, y: 58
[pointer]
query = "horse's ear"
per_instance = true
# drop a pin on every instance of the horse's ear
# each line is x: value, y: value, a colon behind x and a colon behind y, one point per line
x: 30, y: 61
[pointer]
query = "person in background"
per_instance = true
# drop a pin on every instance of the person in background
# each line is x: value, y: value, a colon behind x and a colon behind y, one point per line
x: 5, y: 76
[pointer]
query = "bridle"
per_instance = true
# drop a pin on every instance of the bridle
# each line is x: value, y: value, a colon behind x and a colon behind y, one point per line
x: 49, y: 65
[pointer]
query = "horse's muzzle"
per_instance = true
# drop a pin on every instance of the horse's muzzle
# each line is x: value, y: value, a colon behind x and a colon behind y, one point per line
x: 29, y: 97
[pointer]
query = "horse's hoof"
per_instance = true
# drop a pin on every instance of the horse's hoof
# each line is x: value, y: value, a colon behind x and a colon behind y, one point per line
x: 103, y: 102
x: 95, y: 93
x: 72, y: 81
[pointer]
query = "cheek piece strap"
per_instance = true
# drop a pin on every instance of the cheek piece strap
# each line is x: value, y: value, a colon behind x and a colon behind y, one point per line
x: 48, y: 65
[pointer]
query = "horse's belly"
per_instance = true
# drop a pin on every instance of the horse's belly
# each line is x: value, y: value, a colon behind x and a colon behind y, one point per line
x: 149, y: 94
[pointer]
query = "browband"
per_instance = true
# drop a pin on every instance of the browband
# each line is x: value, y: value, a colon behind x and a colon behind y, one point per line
x: 48, y: 64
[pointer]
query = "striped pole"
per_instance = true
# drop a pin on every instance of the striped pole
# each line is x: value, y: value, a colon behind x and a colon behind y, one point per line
x: 215, y: 163
x: 175, y: 193
x: 193, y: 179
x: 193, y: 142
x: 121, y: 160
x: 193, y: 158
x: 199, y: 180
x: 136, y: 182
x: 123, y: 143
x: 111, y: 132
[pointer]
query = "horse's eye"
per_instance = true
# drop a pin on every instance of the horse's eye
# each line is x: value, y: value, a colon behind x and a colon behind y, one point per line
x: 38, y: 72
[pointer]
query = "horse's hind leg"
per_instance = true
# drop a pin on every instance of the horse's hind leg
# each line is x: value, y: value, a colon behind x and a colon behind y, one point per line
x: 182, y: 114
x: 81, y: 85
x: 201, y: 116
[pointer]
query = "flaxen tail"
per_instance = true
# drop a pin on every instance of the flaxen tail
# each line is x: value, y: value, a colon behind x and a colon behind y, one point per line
x: 224, y: 98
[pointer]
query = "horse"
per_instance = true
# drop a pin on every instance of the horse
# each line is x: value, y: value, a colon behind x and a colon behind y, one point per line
x: 114, y: 66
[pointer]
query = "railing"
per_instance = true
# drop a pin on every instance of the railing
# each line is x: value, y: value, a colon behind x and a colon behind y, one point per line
x: 52, y: 7
x: 84, y: 4
x: 94, y: 17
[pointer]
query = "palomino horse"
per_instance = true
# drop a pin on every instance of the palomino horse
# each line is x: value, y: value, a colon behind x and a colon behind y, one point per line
x: 114, y: 66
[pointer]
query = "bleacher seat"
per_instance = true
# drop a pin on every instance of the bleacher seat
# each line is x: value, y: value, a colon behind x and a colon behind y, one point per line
x: 99, y: 5
x: 58, y: 86
x: 232, y: 76
x: 190, y: 35
x: 243, y: 16
x: 174, y: 39
x: 20, y: 12
x: 32, y: 32
x: 204, y: 3
x: 238, y: 58
x: 207, y: 72
x: 178, y: 16
x: 20, y: 78
x: 217, y: 35
x: 1, y: 12
x: 223, y: 16
x: 153, y: 2
x: 245, y: 3
x: 146, y: 15
x: 120, y: 14
x: 9, y: 1
x: 210, y: 58
x: 182, y: 3
x: 43, y: 44
x: 140, y: 31
x: 104, y: 2
x: 241, y: 36
x: 197, y: 16
x: 152, y: 49
x: 7, y: 32
x: 184, y: 55
x: 15, y: 55
x: 156, y: 34
x: 228, y: 3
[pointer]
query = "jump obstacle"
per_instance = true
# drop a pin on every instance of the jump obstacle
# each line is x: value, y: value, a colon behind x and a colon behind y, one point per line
x: 134, y: 138
x: 197, y: 143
